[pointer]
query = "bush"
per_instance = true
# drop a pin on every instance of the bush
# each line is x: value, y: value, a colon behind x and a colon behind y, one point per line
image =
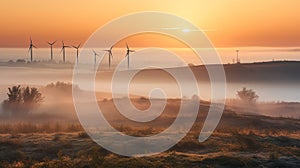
x: 247, y: 95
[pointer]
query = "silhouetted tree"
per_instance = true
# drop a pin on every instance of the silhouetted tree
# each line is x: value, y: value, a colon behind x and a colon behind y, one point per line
x: 247, y: 95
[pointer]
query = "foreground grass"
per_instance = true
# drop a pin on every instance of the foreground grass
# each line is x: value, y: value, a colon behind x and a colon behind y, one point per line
x: 234, y: 148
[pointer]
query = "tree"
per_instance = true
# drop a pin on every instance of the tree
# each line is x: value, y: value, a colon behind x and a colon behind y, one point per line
x: 14, y: 99
x: 31, y: 98
x: 21, y: 100
x: 14, y: 94
x: 247, y: 95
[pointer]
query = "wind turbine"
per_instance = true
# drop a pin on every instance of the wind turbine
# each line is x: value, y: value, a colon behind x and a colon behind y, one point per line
x: 63, y: 50
x: 76, y: 47
x: 127, y: 54
x: 51, y: 44
x: 110, y: 56
x: 30, y: 49
x: 237, y: 56
x: 95, y: 58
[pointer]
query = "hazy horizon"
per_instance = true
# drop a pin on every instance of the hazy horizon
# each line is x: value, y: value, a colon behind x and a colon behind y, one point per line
x: 227, y: 55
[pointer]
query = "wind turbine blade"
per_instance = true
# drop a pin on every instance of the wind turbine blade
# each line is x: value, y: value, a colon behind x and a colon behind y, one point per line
x: 54, y: 42
x: 34, y: 46
x: 111, y: 47
x: 74, y: 46
x: 127, y: 46
x: 49, y: 43
x: 79, y: 45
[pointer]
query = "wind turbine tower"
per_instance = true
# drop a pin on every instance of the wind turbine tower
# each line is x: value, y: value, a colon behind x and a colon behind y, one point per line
x: 77, y: 48
x: 31, y: 45
x: 128, y: 54
x: 51, y: 51
x: 63, y: 49
x: 110, y: 56
x: 95, y: 57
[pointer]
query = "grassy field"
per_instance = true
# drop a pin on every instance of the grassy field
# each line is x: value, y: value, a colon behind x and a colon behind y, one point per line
x: 240, y: 140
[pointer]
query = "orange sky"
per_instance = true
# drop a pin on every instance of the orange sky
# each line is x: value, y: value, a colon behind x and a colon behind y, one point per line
x: 235, y: 23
